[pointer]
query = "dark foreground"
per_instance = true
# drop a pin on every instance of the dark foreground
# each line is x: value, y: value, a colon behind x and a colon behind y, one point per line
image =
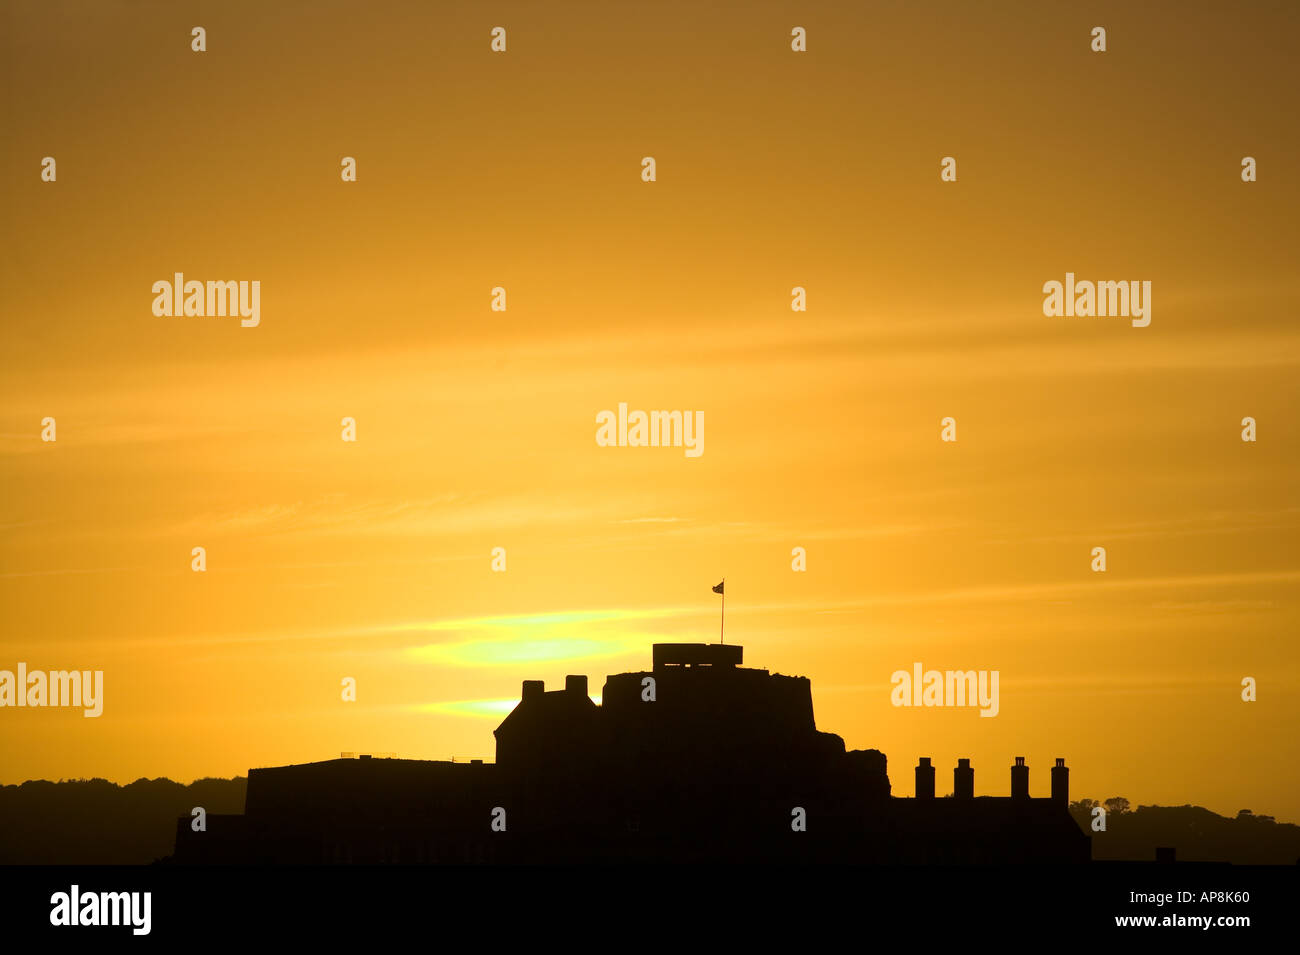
x: 664, y: 906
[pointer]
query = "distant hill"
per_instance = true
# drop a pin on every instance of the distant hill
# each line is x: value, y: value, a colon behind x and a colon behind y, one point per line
x: 95, y: 822
x: 1196, y: 834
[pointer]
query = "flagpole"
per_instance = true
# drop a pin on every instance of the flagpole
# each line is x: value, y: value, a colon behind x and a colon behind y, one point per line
x: 723, y: 622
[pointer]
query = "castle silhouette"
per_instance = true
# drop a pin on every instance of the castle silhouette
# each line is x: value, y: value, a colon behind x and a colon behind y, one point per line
x: 696, y: 760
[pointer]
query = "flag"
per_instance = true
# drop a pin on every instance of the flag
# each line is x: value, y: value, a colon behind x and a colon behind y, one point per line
x: 718, y: 589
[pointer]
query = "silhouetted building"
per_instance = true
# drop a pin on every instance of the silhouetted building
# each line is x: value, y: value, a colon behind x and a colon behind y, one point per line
x: 963, y: 780
x: 924, y: 779
x: 695, y: 760
x: 1020, y: 779
x: 1061, y: 782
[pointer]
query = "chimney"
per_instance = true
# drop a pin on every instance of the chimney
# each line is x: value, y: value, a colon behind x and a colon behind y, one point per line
x: 533, y: 690
x: 1061, y: 782
x: 576, y: 684
x: 963, y: 780
x: 925, y: 779
x: 1020, y: 779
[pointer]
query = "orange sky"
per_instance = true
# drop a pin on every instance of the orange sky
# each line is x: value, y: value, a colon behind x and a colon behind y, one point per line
x: 476, y: 428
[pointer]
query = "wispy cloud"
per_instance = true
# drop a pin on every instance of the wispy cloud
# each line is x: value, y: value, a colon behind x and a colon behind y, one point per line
x: 487, y: 709
x: 534, y: 638
x: 602, y: 633
x: 482, y: 709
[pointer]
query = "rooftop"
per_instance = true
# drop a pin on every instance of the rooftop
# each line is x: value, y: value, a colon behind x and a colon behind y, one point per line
x: 697, y: 655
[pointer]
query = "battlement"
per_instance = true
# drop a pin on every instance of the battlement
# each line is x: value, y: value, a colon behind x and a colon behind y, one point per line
x: 696, y: 655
